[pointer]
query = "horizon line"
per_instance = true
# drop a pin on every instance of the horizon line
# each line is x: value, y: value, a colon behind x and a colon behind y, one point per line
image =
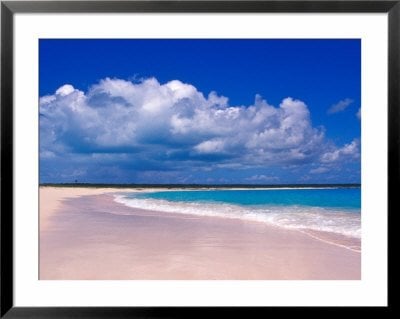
x: 202, y: 185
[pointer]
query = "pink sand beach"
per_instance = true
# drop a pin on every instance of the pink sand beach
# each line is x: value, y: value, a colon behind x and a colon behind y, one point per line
x: 85, y: 234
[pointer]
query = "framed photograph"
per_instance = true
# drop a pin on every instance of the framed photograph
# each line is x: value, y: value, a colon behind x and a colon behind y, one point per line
x: 158, y: 156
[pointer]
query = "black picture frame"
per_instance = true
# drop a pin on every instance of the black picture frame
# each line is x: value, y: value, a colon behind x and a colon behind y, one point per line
x: 9, y: 8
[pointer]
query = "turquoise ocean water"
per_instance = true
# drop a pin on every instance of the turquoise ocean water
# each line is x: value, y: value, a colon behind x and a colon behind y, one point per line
x: 335, y: 210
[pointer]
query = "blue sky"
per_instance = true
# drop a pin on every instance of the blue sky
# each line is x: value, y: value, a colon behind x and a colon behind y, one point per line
x: 200, y: 111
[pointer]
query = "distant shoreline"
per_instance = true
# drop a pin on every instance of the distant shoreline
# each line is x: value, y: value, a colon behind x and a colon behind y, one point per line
x: 200, y: 186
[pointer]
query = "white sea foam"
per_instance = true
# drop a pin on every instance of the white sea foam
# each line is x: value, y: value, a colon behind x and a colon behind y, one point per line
x: 292, y: 217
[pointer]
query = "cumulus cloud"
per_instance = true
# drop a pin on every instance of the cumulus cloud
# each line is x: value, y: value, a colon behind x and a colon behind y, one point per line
x: 65, y: 90
x: 340, y: 106
x: 212, y: 146
x: 348, y: 151
x: 153, y: 126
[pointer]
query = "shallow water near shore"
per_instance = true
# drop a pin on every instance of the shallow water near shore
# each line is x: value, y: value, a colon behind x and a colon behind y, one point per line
x: 331, y: 210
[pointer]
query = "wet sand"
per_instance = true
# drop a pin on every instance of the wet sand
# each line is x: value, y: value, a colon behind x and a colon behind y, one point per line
x: 85, y: 234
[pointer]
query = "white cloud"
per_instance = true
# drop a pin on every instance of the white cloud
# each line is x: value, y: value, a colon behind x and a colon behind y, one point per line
x: 340, y: 106
x: 319, y: 170
x: 65, y: 90
x: 211, y: 146
x: 348, y: 151
x: 176, y: 122
x: 358, y: 114
x: 262, y: 178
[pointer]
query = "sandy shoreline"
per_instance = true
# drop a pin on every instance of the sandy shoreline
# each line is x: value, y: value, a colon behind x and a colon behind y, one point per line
x: 84, y: 234
x: 51, y: 199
